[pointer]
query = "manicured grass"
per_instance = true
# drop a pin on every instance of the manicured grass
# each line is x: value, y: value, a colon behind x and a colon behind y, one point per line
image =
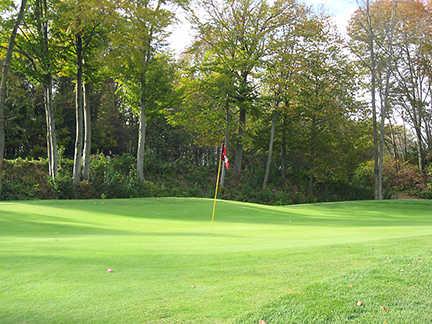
x: 306, y: 263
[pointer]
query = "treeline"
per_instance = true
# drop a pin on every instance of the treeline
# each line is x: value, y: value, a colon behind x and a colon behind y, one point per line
x: 306, y: 114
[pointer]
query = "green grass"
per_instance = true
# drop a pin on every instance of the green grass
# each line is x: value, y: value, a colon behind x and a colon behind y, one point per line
x: 299, y: 264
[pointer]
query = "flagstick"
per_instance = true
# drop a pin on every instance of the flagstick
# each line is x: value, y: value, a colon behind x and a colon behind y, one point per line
x: 217, y: 187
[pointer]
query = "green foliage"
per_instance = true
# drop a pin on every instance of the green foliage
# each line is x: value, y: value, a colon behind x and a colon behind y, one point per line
x: 203, y: 107
x: 115, y: 177
x: 157, y: 88
x: 400, y: 177
x: 6, y: 5
x: 25, y: 179
x: 62, y: 187
x: 250, y: 61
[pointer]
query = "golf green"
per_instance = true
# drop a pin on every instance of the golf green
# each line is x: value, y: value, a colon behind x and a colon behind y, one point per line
x: 365, y: 262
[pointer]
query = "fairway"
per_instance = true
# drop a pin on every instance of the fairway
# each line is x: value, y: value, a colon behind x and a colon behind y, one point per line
x: 365, y: 262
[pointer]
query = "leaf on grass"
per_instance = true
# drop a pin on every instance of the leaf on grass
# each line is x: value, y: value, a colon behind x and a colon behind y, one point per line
x: 360, y: 303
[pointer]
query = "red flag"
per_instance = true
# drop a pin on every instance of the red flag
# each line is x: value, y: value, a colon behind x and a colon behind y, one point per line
x: 225, y: 157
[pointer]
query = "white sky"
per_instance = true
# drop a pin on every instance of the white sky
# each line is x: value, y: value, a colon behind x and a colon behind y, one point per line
x: 339, y: 10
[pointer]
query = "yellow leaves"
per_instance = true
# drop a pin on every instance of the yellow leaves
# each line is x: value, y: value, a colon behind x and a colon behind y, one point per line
x: 384, y: 309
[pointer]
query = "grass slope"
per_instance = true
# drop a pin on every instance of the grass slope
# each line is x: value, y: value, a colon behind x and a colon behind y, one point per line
x: 306, y: 263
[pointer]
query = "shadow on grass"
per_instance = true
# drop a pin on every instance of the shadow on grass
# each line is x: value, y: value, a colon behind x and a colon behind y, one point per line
x: 36, y: 225
x: 352, y: 214
x: 21, y: 224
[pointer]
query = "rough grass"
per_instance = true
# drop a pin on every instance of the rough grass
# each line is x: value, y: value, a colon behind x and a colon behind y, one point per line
x: 299, y: 264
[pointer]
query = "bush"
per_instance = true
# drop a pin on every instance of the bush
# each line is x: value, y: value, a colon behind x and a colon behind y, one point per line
x: 399, y: 177
x: 115, y: 177
x: 62, y: 187
x: 25, y: 179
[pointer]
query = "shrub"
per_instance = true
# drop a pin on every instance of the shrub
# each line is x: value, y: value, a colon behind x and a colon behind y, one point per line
x: 25, y: 179
x: 398, y: 177
x: 115, y: 177
x: 62, y: 187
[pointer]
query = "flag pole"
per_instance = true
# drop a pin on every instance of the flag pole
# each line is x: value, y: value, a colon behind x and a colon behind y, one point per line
x: 217, y: 186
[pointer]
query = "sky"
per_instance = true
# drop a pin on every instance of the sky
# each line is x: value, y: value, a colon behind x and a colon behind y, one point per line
x: 340, y: 11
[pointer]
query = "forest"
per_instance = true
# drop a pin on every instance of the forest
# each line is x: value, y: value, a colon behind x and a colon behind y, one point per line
x: 94, y: 104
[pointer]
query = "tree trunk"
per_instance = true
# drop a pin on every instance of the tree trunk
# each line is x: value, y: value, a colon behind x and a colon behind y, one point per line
x: 242, y: 124
x: 42, y: 11
x: 270, y: 150
x: 76, y: 177
x: 87, y: 136
x: 313, y: 151
x: 222, y: 176
x: 385, y: 103
x: 373, y: 102
x: 239, y: 152
x: 222, y: 179
x: 51, y: 130
x: 417, y: 123
x: 428, y: 131
x: 141, y: 141
x: 405, y: 139
x: 48, y: 129
x: 284, y: 150
x: 420, y: 152
x: 430, y: 109
x: 381, y: 155
x: 394, y: 146
x: 4, y: 73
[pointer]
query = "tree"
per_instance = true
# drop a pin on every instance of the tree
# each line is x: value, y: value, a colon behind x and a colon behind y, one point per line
x: 4, y: 75
x: 326, y: 104
x: 37, y: 61
x: 236, y: 36
x: 282, y: 70
x: 204, y: 109
x: 113, y: 128
x: 401, y: 33
x: 413, y: 36
x: 81, y: 24
x: 138, y: 38
x: 372, y: 32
